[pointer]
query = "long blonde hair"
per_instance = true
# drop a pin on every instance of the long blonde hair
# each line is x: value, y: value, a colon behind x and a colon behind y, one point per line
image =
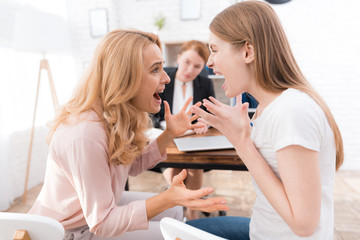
x: 275, y: 66
x: 112, y: 80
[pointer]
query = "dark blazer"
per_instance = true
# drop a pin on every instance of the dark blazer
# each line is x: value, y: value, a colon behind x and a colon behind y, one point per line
x: 203, y: 88
x: 247, y: 97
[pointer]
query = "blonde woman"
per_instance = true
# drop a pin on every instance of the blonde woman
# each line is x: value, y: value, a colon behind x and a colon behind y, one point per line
x: 294, y: 145
x: 98, y: 140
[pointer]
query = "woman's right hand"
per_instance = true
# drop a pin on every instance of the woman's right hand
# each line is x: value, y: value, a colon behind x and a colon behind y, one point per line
x: 179, y: 123
x: 179, y: 195
x: 233, y: 122
x: 192, y: 198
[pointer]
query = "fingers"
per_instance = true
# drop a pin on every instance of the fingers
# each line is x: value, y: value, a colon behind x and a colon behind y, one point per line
x: 245, y: 109
x: 194, y: 117
x: 215, y: 101
x: 186, y: 104
x: 178, y: 179
x: 198, y: 104
x: 204, y: 121
x: 200, y: 126
x: 193, y: 199
x: 208, y: 205
x: 211, y: 107
x: 197, y: 194
x: 245, y: 106
x: 202, y: 129
x: 167, y: 108
x: 205, y: 116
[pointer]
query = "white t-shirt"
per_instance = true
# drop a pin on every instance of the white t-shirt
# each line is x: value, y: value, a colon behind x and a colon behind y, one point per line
x: 293, y: 118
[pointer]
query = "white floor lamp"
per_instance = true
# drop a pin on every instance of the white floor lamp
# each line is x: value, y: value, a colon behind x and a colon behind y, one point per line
x: 40, y: 32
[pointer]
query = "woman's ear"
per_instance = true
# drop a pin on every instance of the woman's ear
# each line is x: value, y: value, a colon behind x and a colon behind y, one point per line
x: 249, y: 52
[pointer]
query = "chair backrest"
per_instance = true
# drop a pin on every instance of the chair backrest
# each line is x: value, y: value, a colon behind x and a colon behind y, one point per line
x: 38, y: 227
x: 172, y: 229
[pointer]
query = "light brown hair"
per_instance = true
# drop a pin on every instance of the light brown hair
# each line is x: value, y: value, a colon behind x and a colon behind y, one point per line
x: 199, y: 47
x: 275, y: 66
x: 112, y: 80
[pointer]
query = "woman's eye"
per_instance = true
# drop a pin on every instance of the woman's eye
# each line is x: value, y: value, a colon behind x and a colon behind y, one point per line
x: 155, y: 70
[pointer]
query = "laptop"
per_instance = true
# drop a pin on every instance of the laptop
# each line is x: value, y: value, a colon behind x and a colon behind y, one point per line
x: 206, y: 143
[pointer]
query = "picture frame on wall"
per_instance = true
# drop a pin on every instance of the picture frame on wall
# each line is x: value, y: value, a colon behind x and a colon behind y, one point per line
x: 98, y: 19
x: 190, y: 9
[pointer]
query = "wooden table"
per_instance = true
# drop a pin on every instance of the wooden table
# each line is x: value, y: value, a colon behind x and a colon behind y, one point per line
x: 216, y: 159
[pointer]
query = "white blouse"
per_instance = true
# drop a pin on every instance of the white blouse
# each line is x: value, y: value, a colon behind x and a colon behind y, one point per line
x: 179, y: 99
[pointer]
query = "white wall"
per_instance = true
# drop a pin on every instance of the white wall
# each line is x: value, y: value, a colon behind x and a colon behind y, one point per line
x: 18, y: 82
x: 324, y: 36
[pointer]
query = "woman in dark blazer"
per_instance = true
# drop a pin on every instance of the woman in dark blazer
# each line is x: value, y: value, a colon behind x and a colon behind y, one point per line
x: 186, y: 81
x: 202, y: 88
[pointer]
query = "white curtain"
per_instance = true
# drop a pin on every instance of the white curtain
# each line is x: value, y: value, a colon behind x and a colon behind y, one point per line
x: 18, y: 80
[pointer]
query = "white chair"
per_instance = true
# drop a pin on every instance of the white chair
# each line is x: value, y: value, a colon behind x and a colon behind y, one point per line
x: 173, y: 229
x: 29, y: 227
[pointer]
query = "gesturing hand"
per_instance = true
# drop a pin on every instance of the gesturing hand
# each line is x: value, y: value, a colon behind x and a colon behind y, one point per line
x: 192, y: 198
x: 179, y: 123
x: 233, y: 122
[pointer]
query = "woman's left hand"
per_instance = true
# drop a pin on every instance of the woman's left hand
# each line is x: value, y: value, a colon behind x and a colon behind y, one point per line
x: 181, y: 122
x: 233, y: 122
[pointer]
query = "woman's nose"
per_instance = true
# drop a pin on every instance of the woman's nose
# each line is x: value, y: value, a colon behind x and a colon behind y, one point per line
x: 165, y: 78
x: 210, y: 63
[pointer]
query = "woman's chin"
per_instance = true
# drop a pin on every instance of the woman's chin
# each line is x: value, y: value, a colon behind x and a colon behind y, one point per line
x: 154, y: 110
x: 229, y: 94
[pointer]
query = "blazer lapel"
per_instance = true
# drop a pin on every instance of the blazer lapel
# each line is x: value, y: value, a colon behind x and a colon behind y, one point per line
x: 197, y: 90
x: 169, y: 93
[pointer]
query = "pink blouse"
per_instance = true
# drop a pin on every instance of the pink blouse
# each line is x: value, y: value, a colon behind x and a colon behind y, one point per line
x: 80, y: 185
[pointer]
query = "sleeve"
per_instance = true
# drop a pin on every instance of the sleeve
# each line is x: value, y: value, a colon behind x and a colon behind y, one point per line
x: 91, y: 176
x: 298, y: 124
x: 148, y: 159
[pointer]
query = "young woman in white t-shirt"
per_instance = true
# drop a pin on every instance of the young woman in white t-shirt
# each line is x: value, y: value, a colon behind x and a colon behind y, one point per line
x: 292, y: 146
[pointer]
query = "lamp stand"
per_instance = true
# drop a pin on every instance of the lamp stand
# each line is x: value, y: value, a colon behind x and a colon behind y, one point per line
x: 44, y: 65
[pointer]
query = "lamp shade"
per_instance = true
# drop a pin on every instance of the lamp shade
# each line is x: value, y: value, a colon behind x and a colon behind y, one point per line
x: 37, y: 31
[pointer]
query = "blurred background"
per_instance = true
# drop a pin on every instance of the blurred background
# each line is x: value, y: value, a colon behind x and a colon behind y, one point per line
x: 324, y: 36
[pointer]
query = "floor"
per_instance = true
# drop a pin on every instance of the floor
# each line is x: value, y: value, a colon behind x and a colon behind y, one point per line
x: 237, y: 188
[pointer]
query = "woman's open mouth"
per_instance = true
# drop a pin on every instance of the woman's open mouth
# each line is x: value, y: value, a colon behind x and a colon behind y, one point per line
x: 157, y: 97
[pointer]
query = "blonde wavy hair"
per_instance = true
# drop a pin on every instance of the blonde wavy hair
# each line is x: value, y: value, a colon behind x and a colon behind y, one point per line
x: 275, y: 66
x: 113, y: 78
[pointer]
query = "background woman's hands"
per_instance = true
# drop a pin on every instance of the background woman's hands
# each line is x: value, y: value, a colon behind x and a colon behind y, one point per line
x: 192, y: 198
x: 233, y: 122
x: 201, y: 130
